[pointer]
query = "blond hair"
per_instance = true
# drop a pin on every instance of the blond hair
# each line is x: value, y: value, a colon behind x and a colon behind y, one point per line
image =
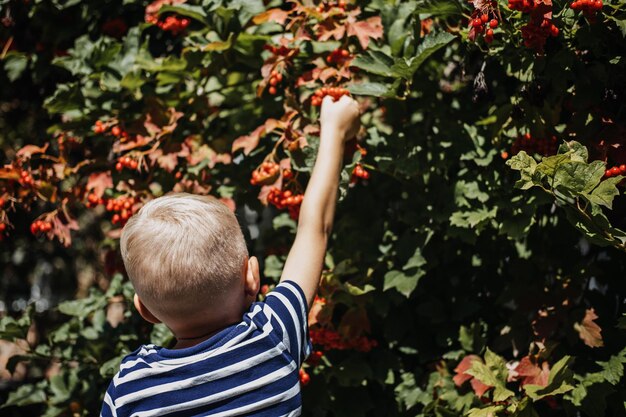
x: 183, y: 251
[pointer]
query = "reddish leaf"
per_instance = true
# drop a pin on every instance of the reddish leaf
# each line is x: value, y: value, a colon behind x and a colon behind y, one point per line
x: 9, y: 173
x: 528, y: 372
x: 461, y: 377
x: 98, y: 182
x: 354, y: 323
x: 330, y: 29
x: 366, y: 29
x: 62, y: 230
x: 166, y: 161
x: 152, y: 10
x: 589, y: 331
x: 316, y: 309
x: 29, y: 150
x: 479, y: 388
x: 248, y: 142
x: 272, y: 15
x: 327, y: 73
x: 138, y: 142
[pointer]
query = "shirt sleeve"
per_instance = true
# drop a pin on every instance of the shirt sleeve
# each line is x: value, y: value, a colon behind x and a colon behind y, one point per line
x: 290, y: 310
x: 108, y: 404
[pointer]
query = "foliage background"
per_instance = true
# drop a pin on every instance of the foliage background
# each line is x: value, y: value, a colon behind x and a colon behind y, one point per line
x: 474, y: 271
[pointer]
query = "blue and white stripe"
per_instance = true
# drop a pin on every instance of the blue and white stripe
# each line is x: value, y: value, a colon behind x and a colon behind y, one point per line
x: 246, y: 369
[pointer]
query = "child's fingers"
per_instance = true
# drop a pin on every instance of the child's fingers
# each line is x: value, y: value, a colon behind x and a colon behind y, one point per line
x: 327, y: 100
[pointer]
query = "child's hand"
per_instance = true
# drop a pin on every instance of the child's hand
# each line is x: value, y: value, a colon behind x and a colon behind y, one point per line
x: 341, y: 116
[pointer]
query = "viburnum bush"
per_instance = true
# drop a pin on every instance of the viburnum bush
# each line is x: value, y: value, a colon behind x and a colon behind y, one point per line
x: 478, y: 256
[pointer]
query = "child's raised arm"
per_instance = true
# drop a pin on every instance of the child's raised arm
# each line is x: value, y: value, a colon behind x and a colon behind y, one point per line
x: 339, y: 122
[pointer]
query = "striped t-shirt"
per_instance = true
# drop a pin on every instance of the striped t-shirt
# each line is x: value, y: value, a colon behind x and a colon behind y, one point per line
x: 250, y: 368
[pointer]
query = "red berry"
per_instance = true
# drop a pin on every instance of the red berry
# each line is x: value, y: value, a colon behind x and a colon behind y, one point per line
x: 116, y: 131
x: 493, y: 24
x: 489, y: 32
x: 484, y: 18
x: 272, y: 90
x: 554, y: 31
x: 615, y: 171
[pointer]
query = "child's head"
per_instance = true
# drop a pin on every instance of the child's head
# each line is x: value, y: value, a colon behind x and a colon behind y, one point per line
x: 185, y: 254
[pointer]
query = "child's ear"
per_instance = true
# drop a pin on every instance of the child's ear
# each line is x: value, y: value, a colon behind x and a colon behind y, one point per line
x: 143, y: 310
x: 253, y: 277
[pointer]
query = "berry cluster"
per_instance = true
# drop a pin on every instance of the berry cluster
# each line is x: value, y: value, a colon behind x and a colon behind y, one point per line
x: 275, y: 79
x: 327, y: 6
x: 281, y: 50
x: 174, y: 24
x: 99, y: 128
x: 3, y: 225
x: 40, y: 226
x: 588, y: 7
x: 334, y: 92
x: 481, y: 23
x: 304, y: 377
x: 338, y: 56
x: 615, y: 171
x: 93, y: 200
x: 535, y: 33
x: 315, y: 357
x: 265, y: 173
x: 542, y: 146
x: 26, y: 179
x: 285, y: 199
x: 538, y: 28
x: 359, y: 172
x: 122, y: 207
x: 330, y: 339
x: 126, y: 162
x: 115, y: 28
x: 524, y: 6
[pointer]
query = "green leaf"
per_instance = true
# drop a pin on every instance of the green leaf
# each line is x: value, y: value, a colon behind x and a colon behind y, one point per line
x: 375, y: 62
x: 247, y: 9
x: 431, y: 44
x: 549, y: 165
x: 273, y: 267
x: 438, y: 8
x: 473, y: 338
x: 522, y: 162
x: 66, y: 98
x: 14, y: 64
x: 160, y: 335
x: 404, y: 283
x: 26, y: 395
x: 558, y: 381
x: 613, y: 369
x: 527, y: 166
x: 605, y: 192
x: 372, y: 89
x: 577, y: 177
x: 576, y: 151
x: 195, y: 12
x: 489, y: 411
x: 473, y: 219
x: 110, y: 367
x: 357, y: 291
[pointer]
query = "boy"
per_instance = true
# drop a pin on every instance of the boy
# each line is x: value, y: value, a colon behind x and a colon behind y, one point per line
x: 187, y: 260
